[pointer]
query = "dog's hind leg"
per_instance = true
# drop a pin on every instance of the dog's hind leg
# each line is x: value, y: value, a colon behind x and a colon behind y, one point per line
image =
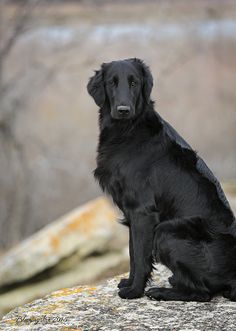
x: 180, y: 245
x: 231, y: 293
x: 172, y: 281
x: 175, y: 294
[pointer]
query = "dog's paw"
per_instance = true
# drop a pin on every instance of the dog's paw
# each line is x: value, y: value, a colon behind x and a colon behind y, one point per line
x: 130, y: 293
x: 154, y: 293
x: 125, y: 282
x: 172, y: 281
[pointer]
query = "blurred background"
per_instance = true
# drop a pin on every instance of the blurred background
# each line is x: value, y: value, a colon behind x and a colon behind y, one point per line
x: 48, y: 122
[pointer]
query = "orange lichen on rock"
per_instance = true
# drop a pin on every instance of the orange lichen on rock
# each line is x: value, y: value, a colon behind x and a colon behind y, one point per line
x: 69, y: 291
x: 11, y: 321
x: 55, y: 242
x: 86, y: 222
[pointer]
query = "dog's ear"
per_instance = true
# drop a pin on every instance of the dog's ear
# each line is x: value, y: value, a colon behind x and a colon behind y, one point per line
x: 147, y: 79
x: 96, y: 88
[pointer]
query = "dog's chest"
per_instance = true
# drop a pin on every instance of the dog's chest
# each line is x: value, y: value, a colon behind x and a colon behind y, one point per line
x: 120, y: 173
x: 115, y: 169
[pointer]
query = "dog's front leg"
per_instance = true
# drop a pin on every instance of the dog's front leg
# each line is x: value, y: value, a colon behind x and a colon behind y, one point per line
x: 142, y: 232
x: 126, y: 282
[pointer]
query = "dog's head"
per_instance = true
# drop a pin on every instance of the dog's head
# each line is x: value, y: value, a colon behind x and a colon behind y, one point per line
x: 125, y: 85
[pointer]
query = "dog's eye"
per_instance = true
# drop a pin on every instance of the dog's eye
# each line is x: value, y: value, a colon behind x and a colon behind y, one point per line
x: 111, y: 82
x: 133, y: 84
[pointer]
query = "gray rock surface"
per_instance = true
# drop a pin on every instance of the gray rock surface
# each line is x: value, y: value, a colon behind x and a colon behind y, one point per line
x: 100, y: 308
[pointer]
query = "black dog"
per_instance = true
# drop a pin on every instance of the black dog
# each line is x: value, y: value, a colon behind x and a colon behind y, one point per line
x: 173, y: 205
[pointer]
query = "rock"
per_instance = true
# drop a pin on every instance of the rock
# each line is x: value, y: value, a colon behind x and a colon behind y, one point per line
x: 87, y: 229
x: 99, y: 308
x: 101, y: 266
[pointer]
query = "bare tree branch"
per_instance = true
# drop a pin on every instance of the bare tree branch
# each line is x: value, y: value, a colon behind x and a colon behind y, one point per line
x: 23, y: 14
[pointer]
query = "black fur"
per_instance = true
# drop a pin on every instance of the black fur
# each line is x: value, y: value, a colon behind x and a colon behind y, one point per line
x: 173, y: 205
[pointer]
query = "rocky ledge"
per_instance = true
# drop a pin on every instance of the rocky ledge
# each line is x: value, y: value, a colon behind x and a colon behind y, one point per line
x: 100, y: 308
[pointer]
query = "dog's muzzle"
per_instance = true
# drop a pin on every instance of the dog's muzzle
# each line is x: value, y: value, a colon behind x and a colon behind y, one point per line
x: 123, y: 110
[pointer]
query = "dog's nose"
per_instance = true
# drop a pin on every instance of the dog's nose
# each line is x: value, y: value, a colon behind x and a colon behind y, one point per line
x: 123, y: 110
